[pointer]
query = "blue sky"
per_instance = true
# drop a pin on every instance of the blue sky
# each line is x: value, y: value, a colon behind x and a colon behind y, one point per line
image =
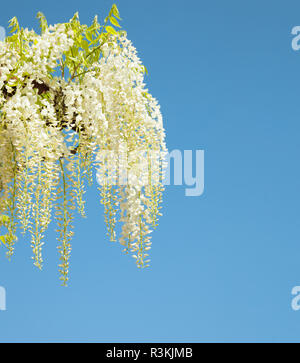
x: 224, y: 263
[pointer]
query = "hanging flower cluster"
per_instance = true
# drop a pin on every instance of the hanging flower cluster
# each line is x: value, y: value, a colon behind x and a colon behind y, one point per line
x: 73, y: 99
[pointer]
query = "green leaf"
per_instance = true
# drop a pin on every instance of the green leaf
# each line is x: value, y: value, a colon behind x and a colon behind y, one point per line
x: 146, y: 70
x: 4, y: 219
x: 43, y: 21
x: 73, y: 59
x: 2, y: 239
x: 75, y: 17
x: 115, y: 11
x: 111, y: 30
x: 114, y: 22
x: 14, y: 25
x: 89, y: 36
x: 85, y: 45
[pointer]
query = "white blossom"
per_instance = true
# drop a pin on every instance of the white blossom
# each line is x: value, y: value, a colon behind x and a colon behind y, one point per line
x: 68, y: 103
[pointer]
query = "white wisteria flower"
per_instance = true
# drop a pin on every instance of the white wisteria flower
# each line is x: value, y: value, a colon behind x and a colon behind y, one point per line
x: 71, y: 99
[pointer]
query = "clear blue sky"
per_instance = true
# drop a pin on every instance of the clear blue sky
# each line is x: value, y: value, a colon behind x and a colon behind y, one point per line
x: 223, y: 264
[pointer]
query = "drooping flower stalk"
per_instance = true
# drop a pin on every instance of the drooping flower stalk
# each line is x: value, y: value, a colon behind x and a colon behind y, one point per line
x: 73, y: 99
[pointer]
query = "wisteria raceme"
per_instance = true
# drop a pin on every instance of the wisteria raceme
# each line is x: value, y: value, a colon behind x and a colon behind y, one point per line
x: 72, y: 99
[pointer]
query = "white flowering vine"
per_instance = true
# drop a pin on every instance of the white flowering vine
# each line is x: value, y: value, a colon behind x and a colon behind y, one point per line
x: 73, y: 99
